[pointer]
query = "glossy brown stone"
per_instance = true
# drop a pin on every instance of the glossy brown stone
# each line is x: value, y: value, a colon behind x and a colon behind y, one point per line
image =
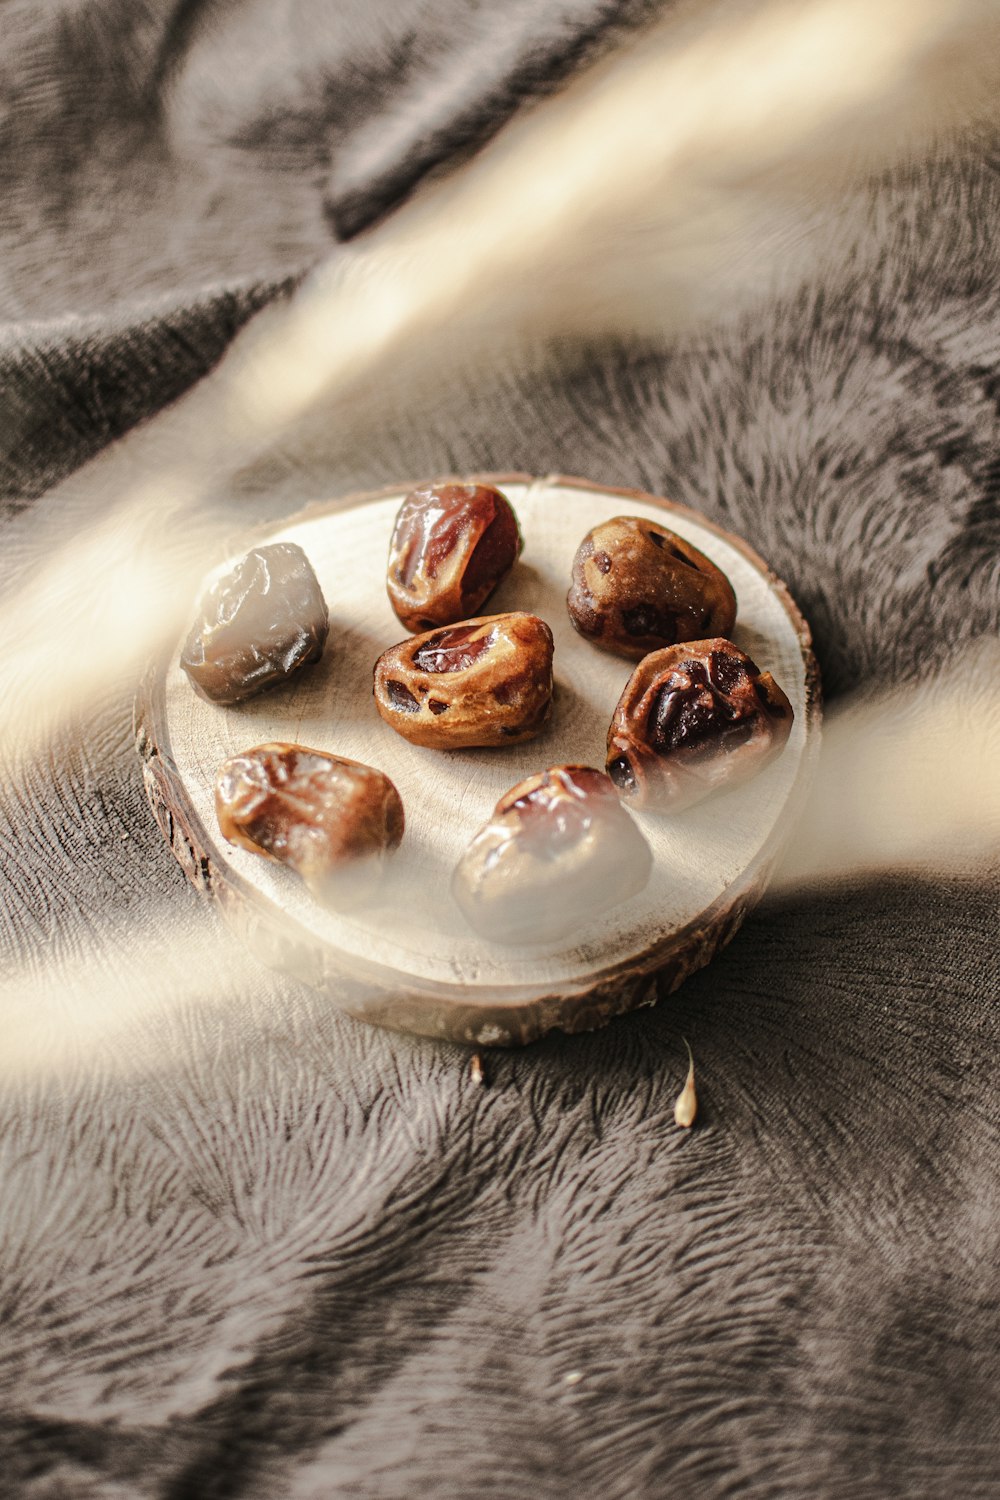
x: 479, y: 683
x: 694, y: 719
x: 331, y: 819
x: 637, y: 587
x: 451, y: 546
x: 257, y: 626
x: 558, y: 851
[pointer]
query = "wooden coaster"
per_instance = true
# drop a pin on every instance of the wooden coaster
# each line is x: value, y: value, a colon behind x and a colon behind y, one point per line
x: 409, y: 960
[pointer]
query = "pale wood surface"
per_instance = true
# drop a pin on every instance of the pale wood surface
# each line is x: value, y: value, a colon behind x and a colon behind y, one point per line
x: 408, y: 958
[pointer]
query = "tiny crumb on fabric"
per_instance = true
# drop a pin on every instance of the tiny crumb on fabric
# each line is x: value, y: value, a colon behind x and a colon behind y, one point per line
x: 573, y: 1378
x: 476, y: 1071
x: 686, y: 1103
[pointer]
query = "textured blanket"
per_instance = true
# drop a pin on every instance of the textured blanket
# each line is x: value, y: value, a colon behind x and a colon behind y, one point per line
x: 251, y: 1248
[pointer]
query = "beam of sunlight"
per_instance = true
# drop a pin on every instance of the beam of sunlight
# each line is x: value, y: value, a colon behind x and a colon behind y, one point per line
x: 645, y: 196
x: 907, y: 782
x: 651, y: 183
x: 104, y: 1005
x: 670, y: 161
x: 90, y: 616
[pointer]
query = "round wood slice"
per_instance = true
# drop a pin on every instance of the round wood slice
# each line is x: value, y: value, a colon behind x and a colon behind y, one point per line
x: 409, y: 960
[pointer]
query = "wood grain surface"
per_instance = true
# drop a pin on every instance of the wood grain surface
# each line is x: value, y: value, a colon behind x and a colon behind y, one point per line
x: 407, y: 959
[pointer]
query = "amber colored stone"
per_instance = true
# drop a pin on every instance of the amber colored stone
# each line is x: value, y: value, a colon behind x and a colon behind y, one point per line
x: 637, y: 587
x: 329, y: 818
x: 558, y: 852
x: 482, y: 682
x: 451, y: 546
x: 694, y: 719
x: 257, y: 626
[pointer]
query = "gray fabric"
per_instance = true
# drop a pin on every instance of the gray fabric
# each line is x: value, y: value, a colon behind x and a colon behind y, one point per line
x: 164, y: 169
x: 255, y: 1249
